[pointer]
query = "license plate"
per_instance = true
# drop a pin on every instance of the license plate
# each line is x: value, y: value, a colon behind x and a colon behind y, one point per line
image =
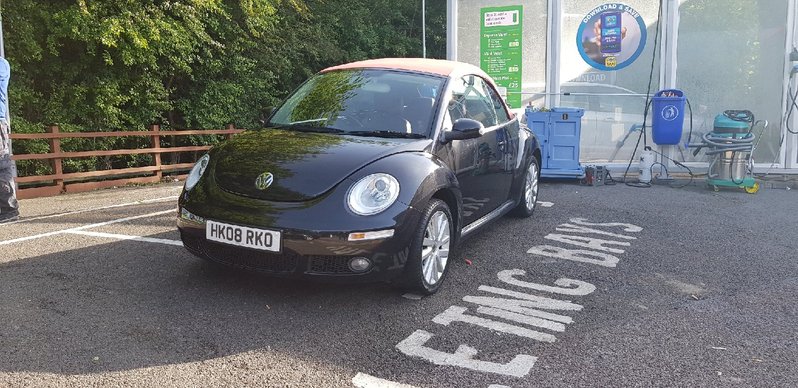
x: 242, y: 236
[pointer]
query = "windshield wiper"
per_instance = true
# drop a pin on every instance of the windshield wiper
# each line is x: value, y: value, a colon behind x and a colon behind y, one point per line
x: 387, y: 134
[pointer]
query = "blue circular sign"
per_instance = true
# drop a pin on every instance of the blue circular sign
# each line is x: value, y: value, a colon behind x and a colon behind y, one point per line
x: 611, y: 36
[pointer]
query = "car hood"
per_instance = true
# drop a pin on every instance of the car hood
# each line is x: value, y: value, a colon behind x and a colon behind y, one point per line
x: 304, y: 165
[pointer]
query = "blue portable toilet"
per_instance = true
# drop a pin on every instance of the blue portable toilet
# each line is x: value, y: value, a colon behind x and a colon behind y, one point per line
x: 559, y: 131
x: 667, y: 111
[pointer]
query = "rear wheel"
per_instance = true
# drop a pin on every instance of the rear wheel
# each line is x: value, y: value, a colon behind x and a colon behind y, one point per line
x: 430, y: 249
x: 529, y: 191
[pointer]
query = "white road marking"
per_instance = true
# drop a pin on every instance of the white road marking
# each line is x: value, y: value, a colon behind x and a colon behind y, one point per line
x: 580, y: 288
x: 84, y: 227
x: 516, y: 306
x: 545, y: 204
x: 458, y: 314
x: 463, y: 357
x: 540, y: 302
x: 146, y: 201
x: 362, y: 380
x: 597, y: 244
x: 127, y: 237
x: 581, y: 255
x: 521, y: 318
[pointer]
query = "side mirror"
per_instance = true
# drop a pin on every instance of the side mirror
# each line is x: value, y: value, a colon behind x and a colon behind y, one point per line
x: 464, y: 129
x: 267, y: 114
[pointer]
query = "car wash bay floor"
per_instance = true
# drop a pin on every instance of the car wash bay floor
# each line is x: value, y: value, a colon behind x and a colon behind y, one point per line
x: 603, y: 286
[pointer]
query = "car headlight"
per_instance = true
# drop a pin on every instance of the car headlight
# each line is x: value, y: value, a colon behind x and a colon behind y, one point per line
x: 373, y: 194
x: 197, y: 171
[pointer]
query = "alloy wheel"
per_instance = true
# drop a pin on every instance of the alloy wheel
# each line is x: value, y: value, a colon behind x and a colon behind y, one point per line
x: 531, y: 186
x: 435, y: 247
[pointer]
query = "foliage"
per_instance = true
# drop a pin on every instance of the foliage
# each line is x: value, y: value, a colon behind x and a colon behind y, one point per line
x: 107, y: 65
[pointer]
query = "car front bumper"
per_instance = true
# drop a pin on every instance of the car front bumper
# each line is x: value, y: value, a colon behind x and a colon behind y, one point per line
x: 306, y: 253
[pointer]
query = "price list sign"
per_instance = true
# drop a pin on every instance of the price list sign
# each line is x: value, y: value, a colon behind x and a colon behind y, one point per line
x: 500, y: 49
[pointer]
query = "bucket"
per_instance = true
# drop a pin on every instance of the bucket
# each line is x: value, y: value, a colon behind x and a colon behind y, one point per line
x: 667, y: 109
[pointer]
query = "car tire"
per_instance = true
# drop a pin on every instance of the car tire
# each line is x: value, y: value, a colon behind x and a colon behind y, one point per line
x: 430, y: 250
x: 529, y: 190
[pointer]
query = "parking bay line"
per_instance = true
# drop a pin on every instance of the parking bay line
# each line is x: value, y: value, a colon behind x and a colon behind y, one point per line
x: 362, y: 380
x: 84, y: 227
x: 127, y: 237
x: 142, y: 202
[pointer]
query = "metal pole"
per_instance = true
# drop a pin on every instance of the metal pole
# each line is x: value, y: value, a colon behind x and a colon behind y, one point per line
x: 423, y: 28
x: 2, y: 46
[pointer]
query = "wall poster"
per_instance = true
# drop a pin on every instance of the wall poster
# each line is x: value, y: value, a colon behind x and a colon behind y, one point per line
x: 500, y: 49
x: 611, y: 36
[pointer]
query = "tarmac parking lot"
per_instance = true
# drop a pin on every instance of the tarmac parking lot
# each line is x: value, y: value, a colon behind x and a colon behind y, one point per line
x: 603, y: 286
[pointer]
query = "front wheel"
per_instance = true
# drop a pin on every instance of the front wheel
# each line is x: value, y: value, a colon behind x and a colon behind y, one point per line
x: 529, y: 191
x: 430, y: 249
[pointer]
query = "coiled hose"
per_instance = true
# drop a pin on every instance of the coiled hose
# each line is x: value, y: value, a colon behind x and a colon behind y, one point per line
x: 718, y: 144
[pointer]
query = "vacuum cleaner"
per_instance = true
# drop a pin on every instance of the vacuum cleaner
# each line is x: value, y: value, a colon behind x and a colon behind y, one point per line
x: 729, y: 148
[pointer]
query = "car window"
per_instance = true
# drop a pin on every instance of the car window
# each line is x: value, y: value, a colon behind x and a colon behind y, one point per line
x: 469, y: 100
x: 364, y: 102
x: 496, y: 101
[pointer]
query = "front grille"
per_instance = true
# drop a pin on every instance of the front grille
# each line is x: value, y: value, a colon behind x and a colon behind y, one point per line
x: 330, y: 264
x: 242, y: 257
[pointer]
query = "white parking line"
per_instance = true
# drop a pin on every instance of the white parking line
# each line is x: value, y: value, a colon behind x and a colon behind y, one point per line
x: 146, y: 201
x: 127, y: 237
x: 362, y: 380
x: 90, y: 226
x: 545, y: 204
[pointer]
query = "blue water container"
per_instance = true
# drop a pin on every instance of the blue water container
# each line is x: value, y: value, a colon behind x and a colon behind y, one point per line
x: 667, y: 109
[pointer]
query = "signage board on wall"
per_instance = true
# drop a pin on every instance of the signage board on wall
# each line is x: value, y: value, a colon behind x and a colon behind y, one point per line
x: 611, y: 36
x: 500, y: 49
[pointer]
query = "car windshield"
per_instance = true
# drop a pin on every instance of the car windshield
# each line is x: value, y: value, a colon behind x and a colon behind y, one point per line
x: 384, y: 103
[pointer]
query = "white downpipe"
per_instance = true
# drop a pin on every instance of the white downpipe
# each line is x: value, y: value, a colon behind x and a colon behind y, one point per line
x: 553, y: 50
x: 789, y: 153
x: 451, y: 30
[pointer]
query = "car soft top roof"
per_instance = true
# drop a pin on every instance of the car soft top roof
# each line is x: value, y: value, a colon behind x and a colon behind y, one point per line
x: 433, y: 66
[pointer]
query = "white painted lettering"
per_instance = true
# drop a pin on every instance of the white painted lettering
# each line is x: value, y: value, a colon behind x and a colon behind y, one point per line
x: 458, y: 314
x: 572, y: 287
x: 588, y: 242
x: 521, y: 318
x: 534, y: 300
x: 463, y: 357
x: 518, y: 306
x: 571, y: 228
x: 626, y: 227
x: 579, y: 255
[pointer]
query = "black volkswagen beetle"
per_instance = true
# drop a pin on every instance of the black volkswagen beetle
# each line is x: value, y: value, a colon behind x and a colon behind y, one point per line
x: 370, y: 170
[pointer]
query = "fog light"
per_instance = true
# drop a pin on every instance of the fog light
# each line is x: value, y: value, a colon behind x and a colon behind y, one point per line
x: 191, y: 217
x: 359, y: 264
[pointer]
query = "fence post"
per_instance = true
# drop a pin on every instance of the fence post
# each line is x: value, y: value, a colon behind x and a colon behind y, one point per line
x: 230, y: 127
x: 156, y: 144
x: 55, y: 147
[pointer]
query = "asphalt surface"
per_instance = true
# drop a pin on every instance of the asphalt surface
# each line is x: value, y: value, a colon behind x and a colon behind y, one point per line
x: 703, y: 295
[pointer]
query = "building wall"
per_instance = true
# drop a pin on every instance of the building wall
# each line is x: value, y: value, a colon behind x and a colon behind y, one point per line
x: 729, y: 55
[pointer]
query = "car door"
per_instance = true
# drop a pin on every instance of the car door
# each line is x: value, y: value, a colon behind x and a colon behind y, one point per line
x: 483, y: 165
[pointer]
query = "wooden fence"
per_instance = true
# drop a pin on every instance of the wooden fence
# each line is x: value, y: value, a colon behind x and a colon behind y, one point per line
x: 59, y: 182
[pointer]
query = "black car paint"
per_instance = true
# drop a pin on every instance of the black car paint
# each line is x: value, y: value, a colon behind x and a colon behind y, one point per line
x: 310, y: 205
x: 305, y: 164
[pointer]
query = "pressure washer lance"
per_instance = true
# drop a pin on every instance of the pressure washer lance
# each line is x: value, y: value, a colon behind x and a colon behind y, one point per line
x: 646, y: 162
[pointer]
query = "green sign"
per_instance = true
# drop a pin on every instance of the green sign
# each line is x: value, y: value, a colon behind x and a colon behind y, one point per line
x: 500, y: 49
